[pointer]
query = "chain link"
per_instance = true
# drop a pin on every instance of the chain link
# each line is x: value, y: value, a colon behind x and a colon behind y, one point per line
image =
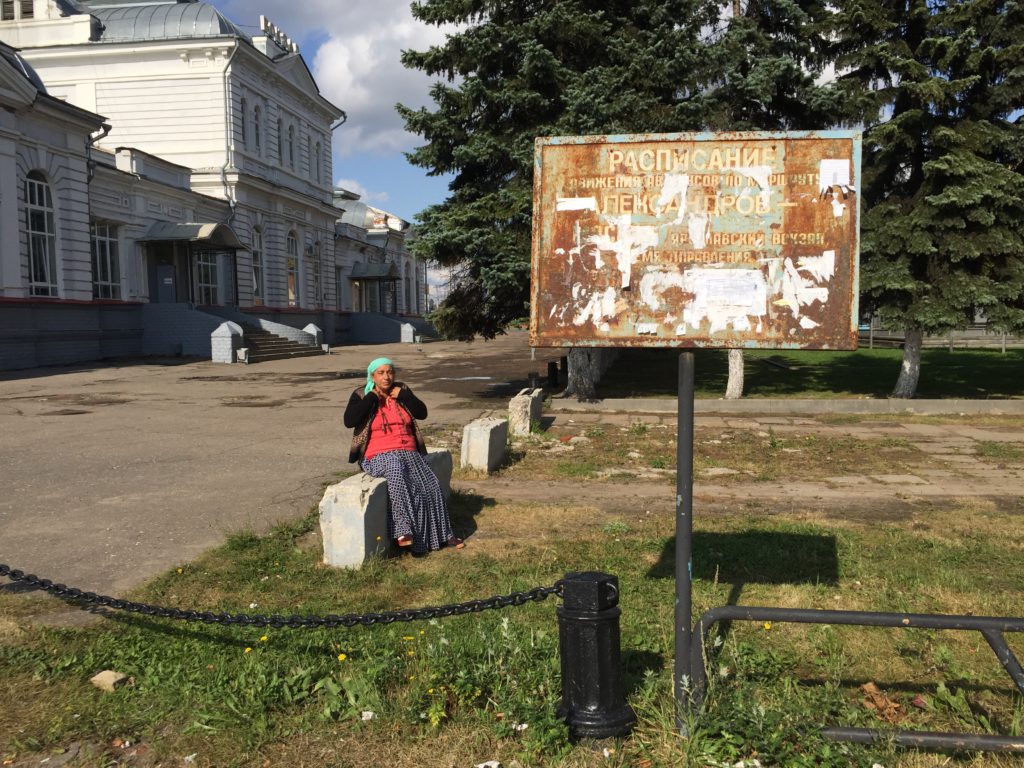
x: 74, y: 594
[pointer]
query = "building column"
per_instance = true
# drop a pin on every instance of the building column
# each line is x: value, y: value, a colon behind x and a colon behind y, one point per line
x: 11, y: 282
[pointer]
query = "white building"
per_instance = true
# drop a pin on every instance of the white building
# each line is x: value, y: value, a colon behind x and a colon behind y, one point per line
x: 227, y: 139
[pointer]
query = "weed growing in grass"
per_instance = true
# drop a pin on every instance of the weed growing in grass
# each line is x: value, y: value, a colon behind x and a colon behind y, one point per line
x: 1000, y: 451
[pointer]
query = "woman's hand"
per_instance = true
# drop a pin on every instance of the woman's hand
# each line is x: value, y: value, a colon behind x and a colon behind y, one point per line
x: 395, y: 392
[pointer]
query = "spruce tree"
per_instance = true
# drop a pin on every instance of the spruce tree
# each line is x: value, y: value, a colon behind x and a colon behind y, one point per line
x: 940, y: 87
x: 516, y: 70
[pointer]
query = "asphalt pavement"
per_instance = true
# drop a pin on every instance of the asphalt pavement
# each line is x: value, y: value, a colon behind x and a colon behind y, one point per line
x: 115, y: 472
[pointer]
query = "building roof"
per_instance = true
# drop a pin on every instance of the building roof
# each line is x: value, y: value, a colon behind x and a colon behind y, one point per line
x: 22, y: 67
x: 132, y: 20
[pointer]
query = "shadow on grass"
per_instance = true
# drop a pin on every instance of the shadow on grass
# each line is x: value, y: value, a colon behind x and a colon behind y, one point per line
x: 464, y: 506
x: 756, y: 557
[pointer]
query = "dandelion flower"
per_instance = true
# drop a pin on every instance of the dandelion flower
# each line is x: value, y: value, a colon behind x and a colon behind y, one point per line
x: 263, y: 639
x: 767, y: 626
x: 430, y: 690
x: 410, y: 653
x: 248, y: 650
x: 342, y: 656
x: 411, y: 678
x: 180, y: 570
x: 407, y: 638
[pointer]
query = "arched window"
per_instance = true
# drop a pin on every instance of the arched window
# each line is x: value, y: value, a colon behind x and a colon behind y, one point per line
x: 316, y: 163
x: 257, y: 128
x: 258, y: 289
x: 292, y: 264
x: 280, y: 141
x: 42, y: 236
x: 291, y: 146
x: 244, y: 112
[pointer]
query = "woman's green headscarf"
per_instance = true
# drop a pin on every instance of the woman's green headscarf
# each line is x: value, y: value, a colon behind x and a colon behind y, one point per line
x: 373, y: 366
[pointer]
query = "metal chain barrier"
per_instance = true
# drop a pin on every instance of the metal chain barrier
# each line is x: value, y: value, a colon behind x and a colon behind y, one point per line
x: 73, y: 594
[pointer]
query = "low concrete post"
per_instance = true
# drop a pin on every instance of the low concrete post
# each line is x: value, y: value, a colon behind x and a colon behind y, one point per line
x: 224, y: 340
x: 523, y: 410
x: 483, y: 444
x: 593, y: 696
x: 316, y: 333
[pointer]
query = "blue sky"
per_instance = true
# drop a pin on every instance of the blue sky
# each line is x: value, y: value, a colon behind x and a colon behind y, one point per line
x: 352, y: 48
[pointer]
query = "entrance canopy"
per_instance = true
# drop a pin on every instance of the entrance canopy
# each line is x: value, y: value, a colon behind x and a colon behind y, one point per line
x: 362, y: 271
x: 212, y: 234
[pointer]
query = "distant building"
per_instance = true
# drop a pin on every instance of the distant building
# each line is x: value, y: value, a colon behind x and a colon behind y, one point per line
x: 193, y: 171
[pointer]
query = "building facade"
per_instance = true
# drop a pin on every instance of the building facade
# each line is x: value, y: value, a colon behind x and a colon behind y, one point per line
x: 209, y: 174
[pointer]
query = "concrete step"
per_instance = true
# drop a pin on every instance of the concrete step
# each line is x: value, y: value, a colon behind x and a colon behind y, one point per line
x: 262, y: 357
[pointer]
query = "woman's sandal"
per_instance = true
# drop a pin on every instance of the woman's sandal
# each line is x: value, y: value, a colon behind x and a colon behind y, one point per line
x: 456, y: 543
x: 404, y: 541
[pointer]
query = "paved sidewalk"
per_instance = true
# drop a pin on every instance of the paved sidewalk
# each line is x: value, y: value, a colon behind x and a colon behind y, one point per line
x: 114, y: 473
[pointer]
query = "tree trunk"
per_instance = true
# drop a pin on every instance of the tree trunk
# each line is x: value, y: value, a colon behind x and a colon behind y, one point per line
x: 910, y: 371
x: 734, y: 388
x: 586, y: 365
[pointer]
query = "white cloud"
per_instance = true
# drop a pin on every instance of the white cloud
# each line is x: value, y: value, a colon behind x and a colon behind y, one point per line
x: 365, y: 195
x: 357, y: 64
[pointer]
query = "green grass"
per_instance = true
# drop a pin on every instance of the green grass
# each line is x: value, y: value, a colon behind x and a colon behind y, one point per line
x: 976, y: 374
x: 453, y: 691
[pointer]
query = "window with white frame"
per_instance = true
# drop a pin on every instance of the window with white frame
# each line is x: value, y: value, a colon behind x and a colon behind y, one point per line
x: 407, y: 282
x: 14, y: 10
x: 206, y: 277
x: 106, y: 266
x: 244, y: 113
x: 292, y: 264
x: 339, y: 287
x: 318, y: 280
x: 41, y: 228
x: 257, y: 128
x: 259, y: 294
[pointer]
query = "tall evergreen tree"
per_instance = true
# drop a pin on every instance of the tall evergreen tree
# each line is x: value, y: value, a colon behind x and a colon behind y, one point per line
x: 515, y: 70
x: 761, y: 70
x: 940, y: 86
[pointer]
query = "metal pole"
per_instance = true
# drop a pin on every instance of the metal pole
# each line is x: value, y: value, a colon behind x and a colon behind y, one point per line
x: 683, y: 677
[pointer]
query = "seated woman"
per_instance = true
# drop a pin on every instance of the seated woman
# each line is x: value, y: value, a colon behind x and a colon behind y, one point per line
x: 386, y: 441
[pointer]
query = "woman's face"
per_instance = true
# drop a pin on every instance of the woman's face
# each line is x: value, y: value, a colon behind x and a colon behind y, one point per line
x: 383, y: 378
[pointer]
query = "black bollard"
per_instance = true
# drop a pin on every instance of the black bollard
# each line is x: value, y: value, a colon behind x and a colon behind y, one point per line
x: 552, y: 374
x: 593, y: 699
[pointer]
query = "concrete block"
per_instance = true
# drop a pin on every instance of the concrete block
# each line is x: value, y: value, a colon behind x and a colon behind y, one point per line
x: 354, y: 514
x: 523, y: 410
x: 483, y: 444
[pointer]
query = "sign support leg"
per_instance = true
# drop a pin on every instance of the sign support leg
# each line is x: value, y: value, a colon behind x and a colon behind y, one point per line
x: 683, y: 675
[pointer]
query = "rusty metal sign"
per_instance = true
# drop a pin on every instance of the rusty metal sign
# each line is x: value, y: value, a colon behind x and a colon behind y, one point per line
x: 696, y: 240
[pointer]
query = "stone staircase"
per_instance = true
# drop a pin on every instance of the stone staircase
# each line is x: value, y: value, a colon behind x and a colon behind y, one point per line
x: 264, y: 346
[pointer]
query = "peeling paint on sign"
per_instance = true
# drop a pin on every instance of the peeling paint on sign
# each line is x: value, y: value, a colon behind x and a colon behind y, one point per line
x: 728, y: 240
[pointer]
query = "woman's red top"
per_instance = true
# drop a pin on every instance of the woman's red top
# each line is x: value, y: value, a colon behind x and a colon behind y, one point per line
x: 390, y: 430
